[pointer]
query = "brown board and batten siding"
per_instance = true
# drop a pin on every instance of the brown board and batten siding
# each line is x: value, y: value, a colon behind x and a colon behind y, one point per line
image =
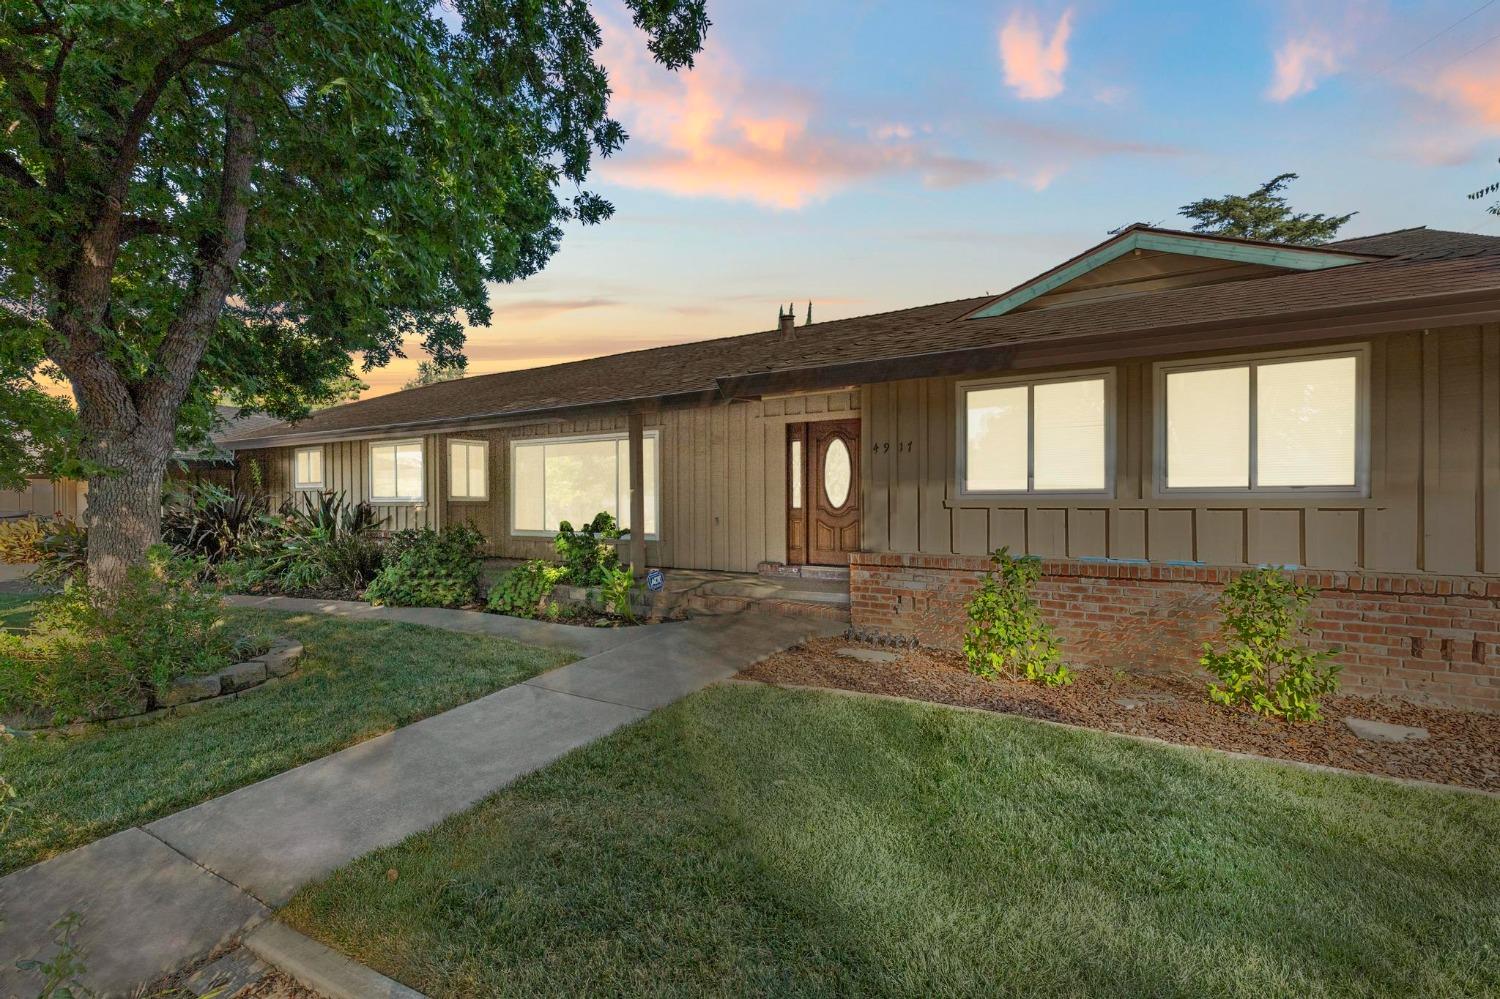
x: 722, y: 478
x: 1434, y: 502
x: 346, y: 469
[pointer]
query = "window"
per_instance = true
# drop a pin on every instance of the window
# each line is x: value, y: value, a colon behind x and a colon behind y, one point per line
x: 1285, y: 422
x: 307, y: 468
x: 468, y: 473
x: 796, y: 461
x: 396, y: 472
x: 1050, y: 436
x: 574, y: 478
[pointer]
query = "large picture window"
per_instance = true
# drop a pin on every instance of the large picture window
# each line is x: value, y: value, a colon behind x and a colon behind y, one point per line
x: 396, y: 473
x: 1042, y: 436
x: 468, y: 470
x: 307, y: 468
x: 1285, y: 422
x: 574, y: 478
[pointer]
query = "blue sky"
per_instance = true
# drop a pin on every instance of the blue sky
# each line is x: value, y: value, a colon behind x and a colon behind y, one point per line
x: 875, y: 155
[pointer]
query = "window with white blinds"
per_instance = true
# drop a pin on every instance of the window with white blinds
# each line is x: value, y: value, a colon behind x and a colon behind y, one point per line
x: 468, y: 470
x: 1288, y: 422
x: 1043, y: 436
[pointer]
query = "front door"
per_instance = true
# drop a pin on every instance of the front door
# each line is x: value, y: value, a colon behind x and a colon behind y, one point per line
x: 822, y: 492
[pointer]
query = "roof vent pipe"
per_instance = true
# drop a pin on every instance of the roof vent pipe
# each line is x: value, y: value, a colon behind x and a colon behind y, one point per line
x: 786, y: 321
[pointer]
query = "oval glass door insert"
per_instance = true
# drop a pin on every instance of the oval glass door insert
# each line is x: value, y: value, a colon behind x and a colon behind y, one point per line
x: 836, y: 469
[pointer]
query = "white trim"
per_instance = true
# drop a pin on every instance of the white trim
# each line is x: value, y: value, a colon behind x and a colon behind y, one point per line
x: 485, y: 452
x: 961, y: 447
x: 420, y: 497
x: 299, y: 485
x: 1361, y: 487
x: 614, y: 435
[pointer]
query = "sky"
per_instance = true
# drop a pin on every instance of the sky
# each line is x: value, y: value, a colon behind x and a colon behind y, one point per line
x: 868, y: 156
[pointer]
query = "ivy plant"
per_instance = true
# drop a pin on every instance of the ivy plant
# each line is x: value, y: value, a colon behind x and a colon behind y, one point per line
x: 523, y: 591
x: 1006, y: 635
x: 1262, y: 663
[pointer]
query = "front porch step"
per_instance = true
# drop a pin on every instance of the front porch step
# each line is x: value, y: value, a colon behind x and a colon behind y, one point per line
x: 780, y: 570
x: 713, y: 605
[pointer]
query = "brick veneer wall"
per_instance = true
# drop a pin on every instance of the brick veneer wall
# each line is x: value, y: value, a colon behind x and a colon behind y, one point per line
x: 1425, y: 638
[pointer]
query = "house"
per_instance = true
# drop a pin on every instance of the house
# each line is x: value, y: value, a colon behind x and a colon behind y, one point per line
x: 1150, y: 416
x: 68, y: 498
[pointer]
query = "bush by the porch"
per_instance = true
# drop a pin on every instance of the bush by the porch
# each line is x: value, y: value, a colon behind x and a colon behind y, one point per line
x: 1006, y: 635
x: 427, y: 568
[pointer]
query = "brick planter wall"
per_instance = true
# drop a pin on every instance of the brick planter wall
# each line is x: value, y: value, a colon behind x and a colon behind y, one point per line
x: 1425, y: 638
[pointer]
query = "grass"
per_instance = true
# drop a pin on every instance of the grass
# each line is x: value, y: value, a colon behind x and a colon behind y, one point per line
x: 356, y: 680
x: 16, y: 610
x: 771, y: 842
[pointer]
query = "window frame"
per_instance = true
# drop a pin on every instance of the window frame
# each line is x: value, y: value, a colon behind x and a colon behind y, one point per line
x: 485, y: 450
x: 416, y: 500
x: 310, y: 486
x: 1362, y: 442
x: 961, y: 447
x: 619, y: 435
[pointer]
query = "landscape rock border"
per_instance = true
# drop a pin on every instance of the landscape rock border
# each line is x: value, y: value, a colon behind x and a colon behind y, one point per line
x: 193, y: 693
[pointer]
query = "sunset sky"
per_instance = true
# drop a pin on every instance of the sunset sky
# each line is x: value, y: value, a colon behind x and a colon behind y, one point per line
x: 875, y: 155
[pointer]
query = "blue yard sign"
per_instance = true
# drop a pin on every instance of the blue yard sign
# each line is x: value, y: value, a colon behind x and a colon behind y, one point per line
x: 655, y: 580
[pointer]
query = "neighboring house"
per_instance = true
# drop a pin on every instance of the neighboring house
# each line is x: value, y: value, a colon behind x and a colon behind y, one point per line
x: 68, y: 498
x: 1150, y: 416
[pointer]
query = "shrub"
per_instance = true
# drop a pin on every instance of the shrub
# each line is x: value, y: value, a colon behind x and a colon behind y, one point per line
x: 207, y: 520
x: 589, y: 554
x: 21, y: 541
x: 323, y: 545
x: 1006, y: 635
x: 523, y: 591
x: 87, y: 656
x: 1262, y: 664
x: 59, y: 548
x: 427, y: 568
x: 616, y: 589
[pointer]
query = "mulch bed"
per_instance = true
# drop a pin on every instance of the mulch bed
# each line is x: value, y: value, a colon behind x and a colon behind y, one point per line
x: 1463, y: 746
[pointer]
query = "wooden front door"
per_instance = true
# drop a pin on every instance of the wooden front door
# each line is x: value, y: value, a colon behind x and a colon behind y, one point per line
x: 822, y: 492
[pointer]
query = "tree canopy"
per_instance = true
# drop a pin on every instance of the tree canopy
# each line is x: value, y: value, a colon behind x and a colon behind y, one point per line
x: 1263, y: 214
x: 394, y: 161
x: 431, y: 372
x: 224, y: 198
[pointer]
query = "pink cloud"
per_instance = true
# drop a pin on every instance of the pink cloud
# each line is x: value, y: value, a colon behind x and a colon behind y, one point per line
x: 1473, y: 89
x: 1034, y: 64
x: 706, y: 132
x: 1301, y: 63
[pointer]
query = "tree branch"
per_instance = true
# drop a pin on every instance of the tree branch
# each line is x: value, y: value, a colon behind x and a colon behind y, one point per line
x: 215, y: 265
x: 15, y: 171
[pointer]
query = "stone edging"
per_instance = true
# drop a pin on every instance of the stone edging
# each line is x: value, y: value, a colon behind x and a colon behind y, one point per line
x: 1426, y: 785
x: 192, y: 693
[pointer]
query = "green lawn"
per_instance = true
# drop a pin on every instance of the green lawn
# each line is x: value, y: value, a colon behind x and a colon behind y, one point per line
x: 770, y: 842
x: 16, y: 610
x: 356, y: 680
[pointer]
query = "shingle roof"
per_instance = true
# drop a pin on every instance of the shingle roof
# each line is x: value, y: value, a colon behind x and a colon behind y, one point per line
x: 1422, y: 264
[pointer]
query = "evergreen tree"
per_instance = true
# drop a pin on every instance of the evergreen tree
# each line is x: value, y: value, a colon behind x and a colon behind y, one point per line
x: 1263, y: 214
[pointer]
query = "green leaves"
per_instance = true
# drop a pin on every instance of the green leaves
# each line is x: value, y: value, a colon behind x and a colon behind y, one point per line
x: 1006, y: 635
x: 1262, y: 665
x: 405, y: 161
x: 1263, y: 214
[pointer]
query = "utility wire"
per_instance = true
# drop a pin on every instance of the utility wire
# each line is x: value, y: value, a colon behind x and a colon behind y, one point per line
x: 1468, y: 52
x: 1423, y: 44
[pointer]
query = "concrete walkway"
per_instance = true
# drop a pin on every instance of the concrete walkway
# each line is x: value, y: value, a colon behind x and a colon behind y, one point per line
x: 157, y: 897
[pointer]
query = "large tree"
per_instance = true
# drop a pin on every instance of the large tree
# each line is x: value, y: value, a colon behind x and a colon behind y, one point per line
x: 226, y: 197
x: 1263, y: 214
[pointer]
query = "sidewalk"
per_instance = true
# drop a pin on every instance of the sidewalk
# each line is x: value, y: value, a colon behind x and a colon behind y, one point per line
x: 156, y: 897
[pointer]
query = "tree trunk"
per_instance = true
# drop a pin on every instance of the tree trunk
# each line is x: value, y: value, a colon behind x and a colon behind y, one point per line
x: 124, y: 505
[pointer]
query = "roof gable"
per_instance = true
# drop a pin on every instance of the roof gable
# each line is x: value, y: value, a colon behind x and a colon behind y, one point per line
x: 1141, y: 259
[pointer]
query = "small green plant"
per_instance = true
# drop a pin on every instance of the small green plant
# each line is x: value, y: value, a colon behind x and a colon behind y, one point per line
x: 86, y: 657
x: 616, y: 590
x: 428, y: 568
x: 61, y: 972
x: 523, y: 591
x: 589, y: 553
x: 1006, y: 635
x: 58, y: 548
x: 21, y: 541
x: 1263, y: 665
